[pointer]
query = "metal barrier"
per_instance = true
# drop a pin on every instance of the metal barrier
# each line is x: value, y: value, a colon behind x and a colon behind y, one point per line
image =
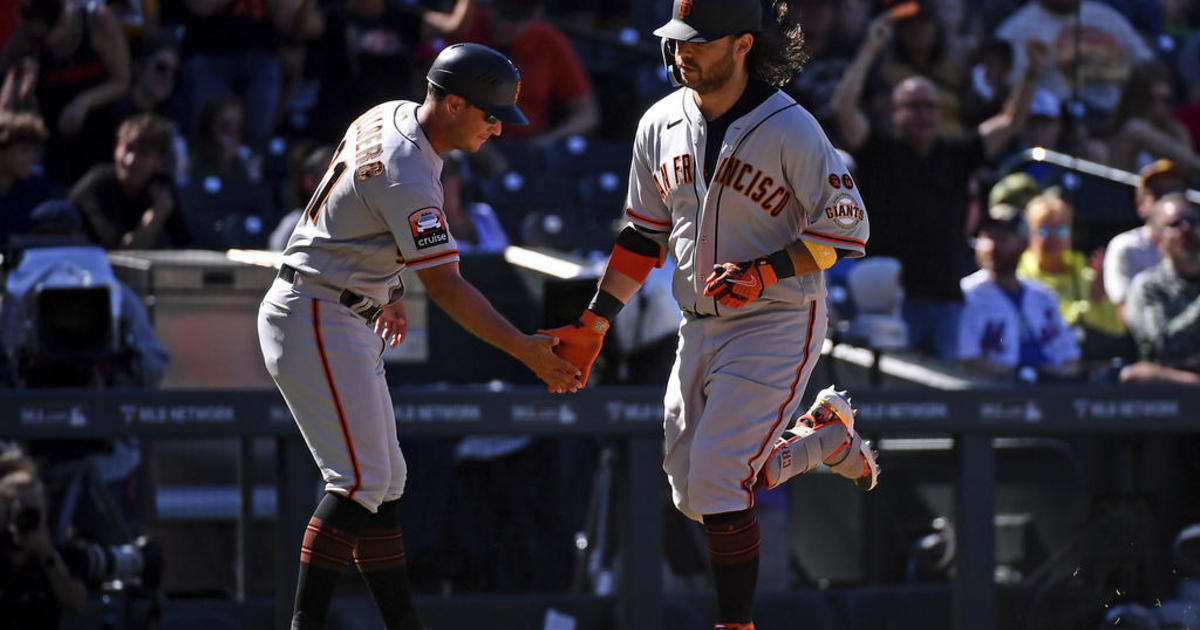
x: 971, y: 417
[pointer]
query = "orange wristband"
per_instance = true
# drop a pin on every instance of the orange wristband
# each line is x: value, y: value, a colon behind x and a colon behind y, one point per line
x: 631, y: 263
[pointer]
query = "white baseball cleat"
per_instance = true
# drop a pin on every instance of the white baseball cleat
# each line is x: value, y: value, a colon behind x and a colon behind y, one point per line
x: 855, y: 459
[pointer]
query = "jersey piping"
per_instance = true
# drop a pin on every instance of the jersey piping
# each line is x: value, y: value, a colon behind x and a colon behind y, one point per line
x: 721, y: 193
x: 748, y: 482
x: 337, y: 401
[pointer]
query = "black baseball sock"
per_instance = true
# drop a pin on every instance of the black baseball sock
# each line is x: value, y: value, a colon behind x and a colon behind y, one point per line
x: 733, y: 541
x: 326, y: 550
x: 379, y: 555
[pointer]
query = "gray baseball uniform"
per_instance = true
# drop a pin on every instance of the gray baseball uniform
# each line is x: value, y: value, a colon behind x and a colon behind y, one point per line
x: 376, y: 212
x: 739, y: 373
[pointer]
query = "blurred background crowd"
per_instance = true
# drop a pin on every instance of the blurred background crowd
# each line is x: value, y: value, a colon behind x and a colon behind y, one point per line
x: 204, y: 124
x: 1026, y: 167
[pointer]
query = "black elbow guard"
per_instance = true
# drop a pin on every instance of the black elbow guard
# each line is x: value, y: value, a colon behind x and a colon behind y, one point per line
x: 632, y: 239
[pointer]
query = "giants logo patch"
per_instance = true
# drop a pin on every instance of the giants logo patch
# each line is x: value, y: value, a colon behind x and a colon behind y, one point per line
x: 428, y: 228
x: 844, y: 211
x: 685, y: 8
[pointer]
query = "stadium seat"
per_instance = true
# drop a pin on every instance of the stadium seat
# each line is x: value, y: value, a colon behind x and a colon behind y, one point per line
x: 221, y: 214
x: 569, y: 230
x: 604, y: 191
x: 522, y: 156
x: 515, y: 194
x: 577, y: 155
x: 874, y: 288
x: 652, y: 83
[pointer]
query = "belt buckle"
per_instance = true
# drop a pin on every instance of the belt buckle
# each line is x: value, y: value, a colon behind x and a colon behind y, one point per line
x: 371, y: 314
x: 360, y: 305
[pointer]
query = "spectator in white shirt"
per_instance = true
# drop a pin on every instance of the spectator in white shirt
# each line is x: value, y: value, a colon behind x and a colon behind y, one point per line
x: 1134, y: 250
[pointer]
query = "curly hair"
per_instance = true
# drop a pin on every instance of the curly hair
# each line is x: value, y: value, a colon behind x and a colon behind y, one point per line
x: 778, y: 53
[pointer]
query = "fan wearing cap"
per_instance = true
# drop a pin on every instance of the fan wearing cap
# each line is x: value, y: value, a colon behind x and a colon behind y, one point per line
x: 336, y: 304
x: 1134, y: 250
x: 1011, y: 326
x: 741, y: 186
x: 1164, y: 301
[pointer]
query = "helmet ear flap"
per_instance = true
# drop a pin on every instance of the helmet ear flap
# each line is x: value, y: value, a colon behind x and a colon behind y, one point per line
x: 668, y: 57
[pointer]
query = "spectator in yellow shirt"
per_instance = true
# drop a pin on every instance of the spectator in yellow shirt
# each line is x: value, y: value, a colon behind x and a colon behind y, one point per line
x: 1076, y: 279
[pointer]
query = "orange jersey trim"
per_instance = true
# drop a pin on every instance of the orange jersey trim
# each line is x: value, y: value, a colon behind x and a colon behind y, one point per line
x: 748, y: 482
x: 418, y: 261
x: 844, y: 240
x: 666, y: 225
x: 337, y: 400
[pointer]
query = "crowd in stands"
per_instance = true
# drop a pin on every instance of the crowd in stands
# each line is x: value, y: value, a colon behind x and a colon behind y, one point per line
x: 205, y: 123
x: 208, y: 124
x: 940, y: 112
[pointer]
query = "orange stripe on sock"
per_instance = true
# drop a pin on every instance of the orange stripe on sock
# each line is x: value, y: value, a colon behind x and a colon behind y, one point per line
x: 337, y: 401
x: 382, y: 563
x: 736, y: 553
x: 320, y: 531
x: 324, y: 561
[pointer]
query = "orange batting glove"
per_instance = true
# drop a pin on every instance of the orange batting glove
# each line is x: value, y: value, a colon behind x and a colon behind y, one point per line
x: 737, y: 284
x: 580, y: 342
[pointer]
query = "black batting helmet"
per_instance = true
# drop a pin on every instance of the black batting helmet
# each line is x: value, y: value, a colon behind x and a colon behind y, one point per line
x: 705, y: 21
x: 708, y: 20
x: 481, y: 76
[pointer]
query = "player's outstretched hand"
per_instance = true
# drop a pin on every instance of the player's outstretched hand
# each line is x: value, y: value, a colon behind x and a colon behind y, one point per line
x: 558, y: 373
x: 737, y: 284
x: 580, y: 342
x: 392, y: 324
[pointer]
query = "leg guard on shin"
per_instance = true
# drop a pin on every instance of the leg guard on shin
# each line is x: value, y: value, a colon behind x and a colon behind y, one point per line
x: 854, y: 458
x: 841, y: 447
x: 797, y: 451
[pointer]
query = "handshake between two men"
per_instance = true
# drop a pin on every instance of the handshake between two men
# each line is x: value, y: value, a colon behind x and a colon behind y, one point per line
x: 733, y: 285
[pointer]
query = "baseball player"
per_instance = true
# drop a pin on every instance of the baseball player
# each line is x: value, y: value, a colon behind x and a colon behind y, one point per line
x: 324, y: 323
x: 739, y: 183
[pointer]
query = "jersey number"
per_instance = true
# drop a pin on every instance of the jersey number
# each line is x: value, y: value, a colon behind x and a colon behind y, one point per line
x: 332, y: 175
